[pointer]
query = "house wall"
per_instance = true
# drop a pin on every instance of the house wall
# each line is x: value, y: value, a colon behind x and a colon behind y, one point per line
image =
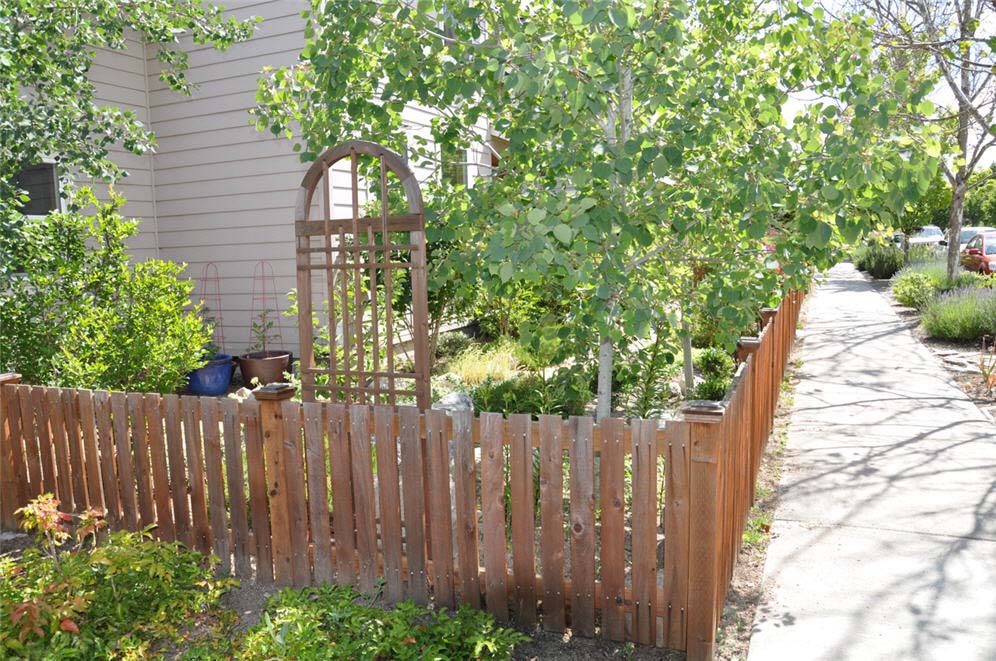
x: 224, y: 193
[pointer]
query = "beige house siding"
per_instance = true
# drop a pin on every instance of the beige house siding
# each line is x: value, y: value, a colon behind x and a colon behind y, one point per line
x: 216, y: 190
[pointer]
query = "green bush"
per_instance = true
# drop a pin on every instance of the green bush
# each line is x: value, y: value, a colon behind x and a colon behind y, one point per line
x: 714, y: 362
x: 565, y: 392
x: 81, y: 315
x: 914, y: 289
x: 332, y: 623
x: 640, y: 383
x: 879, y: 260
x: 73, y: 598
x: 962, y: 314
x: 714, y: 387
x: 452, y: 344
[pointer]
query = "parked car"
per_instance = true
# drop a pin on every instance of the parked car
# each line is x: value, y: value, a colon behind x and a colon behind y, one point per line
x: 930, y: 235
x: 980, y: 253
x: 968, y: 232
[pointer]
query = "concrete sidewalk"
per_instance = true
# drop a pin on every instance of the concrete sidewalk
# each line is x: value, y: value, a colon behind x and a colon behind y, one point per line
x: 884, y: 540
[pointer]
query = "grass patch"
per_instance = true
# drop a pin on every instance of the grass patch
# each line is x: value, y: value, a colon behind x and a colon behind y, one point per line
x: 497, y: 362
x: 758, y: 528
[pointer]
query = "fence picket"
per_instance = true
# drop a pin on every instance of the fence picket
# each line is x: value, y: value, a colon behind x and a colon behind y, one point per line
x: 297, y: 505
x: 523, y: 517
x: 582, y: 464
x: 29, y: 434
x: 318, y: 491
x: 465, y: 509
x: 40, y: 406
x: 139, y: 460
x: 343, y: 526
x: 71, y: 419
x: 363, y: 495
x: 123, y: 454
x: 236, y: 483
x: 217, y: 508
x: 413, y: 496
x: 440, y: 509
x: 644, y: 532
x: 613, y: 532
x: 152, y: 406
x: 389, y: 493
x: 177, y: 470
x: 676, y: 541
x: 193, y: 443
x: 61, y: 446
x: 15, y: 445
x: 552, y: 521
x: 271, y: 424
x: 493, y: 514
x: 95, y: 497
x: 249, y: 412
x: 105, y: 444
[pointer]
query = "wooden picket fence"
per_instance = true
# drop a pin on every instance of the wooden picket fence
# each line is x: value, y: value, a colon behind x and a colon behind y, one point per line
x: 534, y: 520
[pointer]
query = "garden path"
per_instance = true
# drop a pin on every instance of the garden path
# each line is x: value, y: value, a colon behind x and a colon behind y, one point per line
x: 884, y: 537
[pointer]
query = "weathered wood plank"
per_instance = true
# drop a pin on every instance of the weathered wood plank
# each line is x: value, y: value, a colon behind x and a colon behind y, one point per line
x: 236, y: 483
x: 582, y: 466
x: 140, y: 431
x: 193, y: 443
x: 272, y: 424
x: 552, y: 521
x: 31, y: 450
x: 258, y: 500
x: 15, y: 445
x: 123, y: 453
x: 440, y: 509
x: 389, y: 493
x: 343, y: 526
x: 493, y: 514
x: 297, y: 505
x: 613, y: 531
x: 71, y: 418
x: 60, y: 444
x: 676, y: 541
x: 465, y: 508
x: 217, y: 507
x: 88, y: 427
x: 105, y: 444
x: 152, y: 406
x: 523, y: 518
x: 177, y: 470
x: 40, y: 405
x: 364, y: 503
x: 414, y: 502
x: 644, y: 532
x: 318, y: 491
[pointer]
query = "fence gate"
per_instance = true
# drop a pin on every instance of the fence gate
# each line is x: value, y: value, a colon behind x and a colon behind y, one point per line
x: 372, y: 299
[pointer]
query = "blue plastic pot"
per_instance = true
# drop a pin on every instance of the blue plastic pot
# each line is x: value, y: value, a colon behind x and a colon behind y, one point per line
x: 213, y: 378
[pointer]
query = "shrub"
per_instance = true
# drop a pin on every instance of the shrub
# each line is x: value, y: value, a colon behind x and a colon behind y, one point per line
x: 643, y: 378
x: 85, y: 600
x: 565, y: 392
x: 82, y: 315
x: 714, y: 387
x: 452, y: 344
x: 962, y: 314
x: 498, y: 361
x: 714, y: 362
x: 914, y: 289
x: 332, y: 623
x: 879, y: 261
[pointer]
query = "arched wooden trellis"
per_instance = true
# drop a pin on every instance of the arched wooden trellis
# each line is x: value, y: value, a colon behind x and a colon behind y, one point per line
x: 360, y: 256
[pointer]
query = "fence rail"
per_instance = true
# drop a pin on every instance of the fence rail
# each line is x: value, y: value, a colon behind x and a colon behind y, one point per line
x: 542, y: 522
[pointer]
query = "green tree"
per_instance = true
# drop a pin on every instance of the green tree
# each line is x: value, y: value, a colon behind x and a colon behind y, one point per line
x: 48, y: 108
x: 933, y: 208
x: 649, y: 158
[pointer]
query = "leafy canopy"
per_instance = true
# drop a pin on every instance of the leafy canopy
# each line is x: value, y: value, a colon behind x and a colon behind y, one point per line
x: 648, y: 143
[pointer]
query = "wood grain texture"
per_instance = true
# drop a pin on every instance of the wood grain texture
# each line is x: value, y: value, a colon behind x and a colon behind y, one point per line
x: 343, y: 520
x: 413, y: 496
x: 364, y: 500
x: 582, y: 463
x: 440, y: 508
x: 523, y: 518
x: 465, y: 509
x: 88, y: 429
x: 613, y: 531
x: 45, y: 450
x: 389, y: 493
x: 153, y: 407
x: 297, y: 504
x: 139, y: 457
x: 318, y: 492
x: 105, y: 444
x: 60, y: 444
x: 552, y: 521
x: 493, y: 514
x: 217, y: 506
x: 236, y: 488
x: 249, y: 412
x: 193, y: 445
x: 177, y: 470
x: 644, y: 532
x: 676, y: 540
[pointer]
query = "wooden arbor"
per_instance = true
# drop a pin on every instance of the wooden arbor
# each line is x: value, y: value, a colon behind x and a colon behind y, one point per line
x: 365, y: 258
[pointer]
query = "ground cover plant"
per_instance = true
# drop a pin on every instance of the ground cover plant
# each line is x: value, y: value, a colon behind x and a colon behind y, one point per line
x: 879, y: 260
x: 918, y: 284
x: 336, y: 623
x: 968, y: 313
x: 84, y: 594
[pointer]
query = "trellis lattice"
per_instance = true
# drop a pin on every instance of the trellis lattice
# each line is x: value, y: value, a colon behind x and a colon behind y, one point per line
x: 361, y: 280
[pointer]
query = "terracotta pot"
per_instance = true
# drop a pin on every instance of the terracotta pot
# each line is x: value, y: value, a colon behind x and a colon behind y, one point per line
x: 267, y: 366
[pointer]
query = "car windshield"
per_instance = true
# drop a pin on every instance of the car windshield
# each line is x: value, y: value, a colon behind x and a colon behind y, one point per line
x: 966, y: 235
x: 928, y: 232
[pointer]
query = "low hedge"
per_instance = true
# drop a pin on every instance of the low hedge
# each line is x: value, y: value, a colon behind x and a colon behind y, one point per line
x: 879, y: 261
x: 968, y: 313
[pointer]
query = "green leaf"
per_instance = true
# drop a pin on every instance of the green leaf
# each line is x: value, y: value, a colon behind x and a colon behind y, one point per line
x: 506, y: 271
x: 563, y: 233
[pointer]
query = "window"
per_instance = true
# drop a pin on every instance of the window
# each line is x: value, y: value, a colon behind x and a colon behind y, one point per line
x: 454, y: 165
x: 42, y: 185
x: 990, y: 243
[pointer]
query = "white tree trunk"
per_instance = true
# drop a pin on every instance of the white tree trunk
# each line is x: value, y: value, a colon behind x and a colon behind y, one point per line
x: 603, y: 408
x: 686, y: 356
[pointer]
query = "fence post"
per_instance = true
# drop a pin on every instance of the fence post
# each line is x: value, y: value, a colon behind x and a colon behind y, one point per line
x: 272, y: 425
x: 8, y: 498
x: 705, y: 581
